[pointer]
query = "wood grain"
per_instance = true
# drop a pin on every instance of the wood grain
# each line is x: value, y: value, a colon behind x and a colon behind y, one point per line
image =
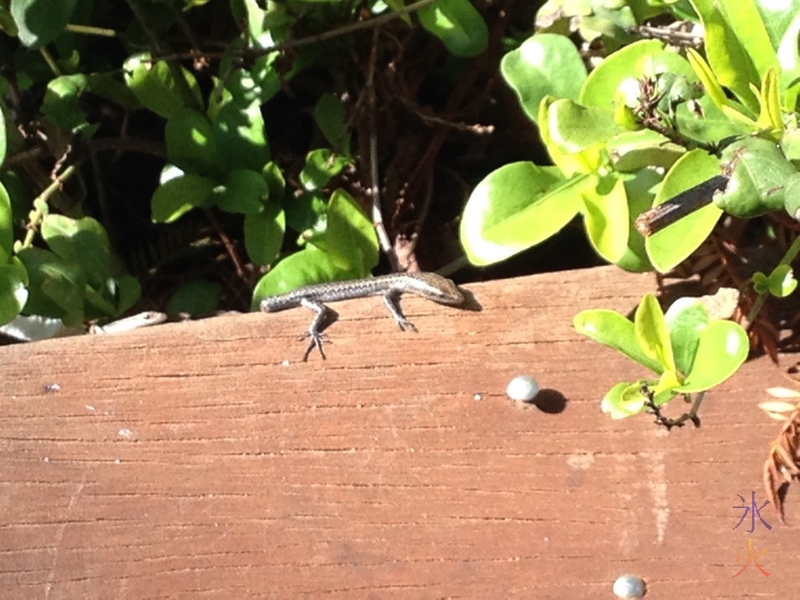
x: 204, y: 459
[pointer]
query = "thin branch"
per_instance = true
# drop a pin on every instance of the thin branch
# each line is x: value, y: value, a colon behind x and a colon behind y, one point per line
x: 306, y: 41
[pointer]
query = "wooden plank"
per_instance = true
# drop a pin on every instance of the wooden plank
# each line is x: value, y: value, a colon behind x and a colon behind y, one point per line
x: 204, y: 459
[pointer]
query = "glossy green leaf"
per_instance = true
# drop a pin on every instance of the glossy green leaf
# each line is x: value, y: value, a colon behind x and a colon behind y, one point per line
x: 350, y: 237
x: 722, y: 350
x: 197, y: 298
x: 639, y: 190
x: 191, y: 144
x: 516, y: 207
x: 39, y: 22
x: 575, y: 128
x: 61, y: 103
x: 178, y: 196
x: 264, y: 232
x: 788, y: 52
x: 308, y: 266
x: 686, y: 319
x: 55, y: 289
x: 605, y: 210
x: 307, y: 213
x: 672, y: 245
x: 652, y: 333
x: 321, y: 166
x: 3, y: 139
x: 781, y: 281
x: 778, y: 18
x: 707, y: 77
x: 545, y: 64
x: 244, y: 192
x: 129, y: 290
x: 760, y: 283
x: 759, y: 178
x: 81, y: 242
x: 792, y: 196
x: 623, y: 400
x: 154, y: 86
x: 770, y: 117
x: 617, y: 74
x: 631, y: 151
x: 240, y: 136
x: 257, y: 84
x: 13, y: 293
x: 330, y: 118
x: 6, y: 224
x: 457, y: 24
x: 737, y: 47
x: 615, y: 331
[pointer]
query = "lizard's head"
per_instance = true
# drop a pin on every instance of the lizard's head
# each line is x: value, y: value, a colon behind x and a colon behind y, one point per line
x: 437, y: 288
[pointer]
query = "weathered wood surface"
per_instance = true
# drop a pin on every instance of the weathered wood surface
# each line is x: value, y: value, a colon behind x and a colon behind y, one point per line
x: 189, y: 460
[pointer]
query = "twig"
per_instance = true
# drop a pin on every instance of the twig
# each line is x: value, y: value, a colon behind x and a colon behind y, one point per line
x: 306, y: 41
x: 37, y: 214
x: 665, y: 214
x: 667, y: 422
x: 374, y: 174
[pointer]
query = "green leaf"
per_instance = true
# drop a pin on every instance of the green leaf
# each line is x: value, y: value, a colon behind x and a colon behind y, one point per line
x: 81, y: 242
x: 545, y: 64
x: 191, y: 145
x: 575, y: 128
x: 781, y: 281
x: 258, y: 84
x: 61, y: 102
x: 737, y: 46
x: 240, y: 136
x: 350, y: 237
x: 308, y: 266
x: 770, y: 118
x: 13, y: 294
x: 707, y: 78
x: 792, y: 195
x: 307, y: 213
x: 6, y: 225
x: 197, y: 298
x: 634, y: 150
x: 174, y: 198
x: 615, y: 331
x: 321, y: 166
x: 457, y: 24
x: 55, y: 289
x: 672, y: 245
x: 722, y: 349
x: 154, y: 86
x: 617, y: 73
x: 330, y: 116
x: 264, y: 232
x: 639, y: 191
x: 623, y: 400
x: 3, y: 139
x: 39, y: 22
x: 760, y: 283
x: 788, y: 53
x: 652, y: 333
x: 758, y: 181
x: 516, y: 207
x: 244, y: 192
x: 129, y: 290
x: 686, y: 319
x: 606, y: 217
